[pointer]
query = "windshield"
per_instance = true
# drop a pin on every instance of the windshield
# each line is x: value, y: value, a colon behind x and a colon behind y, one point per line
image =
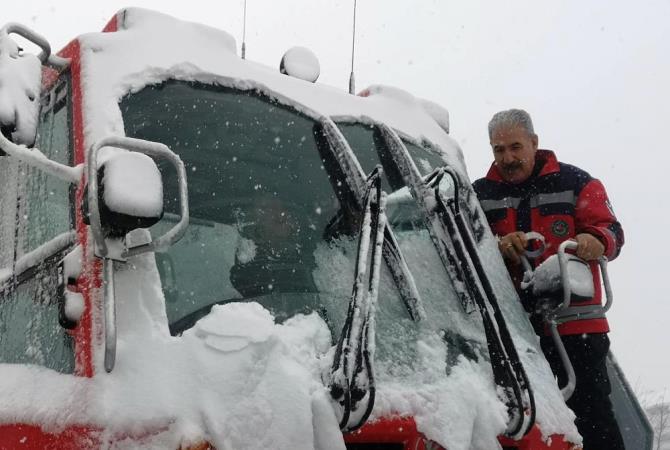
x: 267, y: 223
x: 260, y: 197
x: 271, y: 223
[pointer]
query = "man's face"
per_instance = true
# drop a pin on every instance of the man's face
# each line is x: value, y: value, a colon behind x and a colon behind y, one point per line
x: 514, y: 153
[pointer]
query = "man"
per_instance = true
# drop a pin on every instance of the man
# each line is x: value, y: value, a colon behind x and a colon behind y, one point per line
x: 527, y: 189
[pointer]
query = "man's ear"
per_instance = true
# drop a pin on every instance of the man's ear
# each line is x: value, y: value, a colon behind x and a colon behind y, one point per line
x: 535, y: 141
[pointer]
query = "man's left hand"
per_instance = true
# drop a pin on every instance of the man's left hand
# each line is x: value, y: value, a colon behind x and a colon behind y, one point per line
x: 589, y: 247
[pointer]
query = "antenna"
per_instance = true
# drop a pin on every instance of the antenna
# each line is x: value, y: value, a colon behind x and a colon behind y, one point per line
x: 244, y: 32
x: 352, y: 79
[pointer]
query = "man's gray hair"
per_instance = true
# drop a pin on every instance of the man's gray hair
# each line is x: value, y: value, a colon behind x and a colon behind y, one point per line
x: 511, y: 118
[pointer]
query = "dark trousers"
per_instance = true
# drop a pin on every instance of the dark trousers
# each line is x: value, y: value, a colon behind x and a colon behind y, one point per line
x: 590, y: 401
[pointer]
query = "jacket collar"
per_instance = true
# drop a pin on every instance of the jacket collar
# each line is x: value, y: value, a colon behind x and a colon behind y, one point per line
x: 545, y: 159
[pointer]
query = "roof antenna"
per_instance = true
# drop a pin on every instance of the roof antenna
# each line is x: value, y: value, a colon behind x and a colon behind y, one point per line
x: 244, y: 32
x: 352, y: 79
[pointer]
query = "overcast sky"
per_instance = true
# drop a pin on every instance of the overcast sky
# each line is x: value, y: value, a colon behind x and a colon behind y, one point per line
x: 594, y: 75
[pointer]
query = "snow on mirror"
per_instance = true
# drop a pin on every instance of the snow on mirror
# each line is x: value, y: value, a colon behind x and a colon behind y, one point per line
x: 20, y: 80
x: 131, y: 191
x: 546, y: 279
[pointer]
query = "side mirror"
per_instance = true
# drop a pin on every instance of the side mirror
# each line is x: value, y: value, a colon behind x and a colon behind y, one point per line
x: 125, y: 193
x: 20, y: 83
x: 130, y: 193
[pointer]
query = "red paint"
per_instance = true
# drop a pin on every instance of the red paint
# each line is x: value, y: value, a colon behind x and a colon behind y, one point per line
x: 402, y: 430
x: 113, y: 24
x: 76, y: 437
x: 49, y: 77
x: 391, y: 430
x: 82, y: 334
x: 31, y: 437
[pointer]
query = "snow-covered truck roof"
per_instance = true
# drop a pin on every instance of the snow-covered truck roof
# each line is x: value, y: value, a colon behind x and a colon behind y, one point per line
x: 151, y: 47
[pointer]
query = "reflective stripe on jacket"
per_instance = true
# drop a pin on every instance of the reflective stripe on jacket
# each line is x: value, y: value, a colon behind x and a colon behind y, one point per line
x: 559, y: 201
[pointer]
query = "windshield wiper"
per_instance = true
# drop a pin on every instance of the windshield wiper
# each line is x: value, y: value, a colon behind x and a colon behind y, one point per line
x: 355, y: 180
x: 352, y: 376
x: 352, y: 373
x: 456, y: 246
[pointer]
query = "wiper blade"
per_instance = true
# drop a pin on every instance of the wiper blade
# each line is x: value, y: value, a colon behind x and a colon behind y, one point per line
x: 355, y: 180
x: 352, y: 373
x: 519, y: 386
x: 457, y: 249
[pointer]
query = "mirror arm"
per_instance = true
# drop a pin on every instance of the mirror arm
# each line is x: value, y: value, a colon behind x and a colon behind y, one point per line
x: 35, y: 158
x: 110, y: 314
x: 45, y: 56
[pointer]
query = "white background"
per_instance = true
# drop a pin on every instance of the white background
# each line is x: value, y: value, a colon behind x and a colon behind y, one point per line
x: 594, y: 75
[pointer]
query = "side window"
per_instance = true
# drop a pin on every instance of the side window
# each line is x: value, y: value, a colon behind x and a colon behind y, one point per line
x: 361, y: 138
x: 425, y: 158
x: 8, y: 202
x: 35, y: 233
x: 44, y: 199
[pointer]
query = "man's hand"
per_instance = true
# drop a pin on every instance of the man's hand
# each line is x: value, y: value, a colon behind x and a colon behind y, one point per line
x: 512, y: 246
x: 589, y: 247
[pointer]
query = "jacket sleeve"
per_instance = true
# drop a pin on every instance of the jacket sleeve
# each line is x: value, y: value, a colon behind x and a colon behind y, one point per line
x: 594, y: 215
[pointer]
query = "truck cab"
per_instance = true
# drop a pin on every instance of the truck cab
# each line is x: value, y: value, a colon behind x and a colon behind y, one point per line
x: 290, y: 267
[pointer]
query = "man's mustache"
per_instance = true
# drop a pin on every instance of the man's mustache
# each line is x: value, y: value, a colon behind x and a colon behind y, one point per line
x: 511, y: 167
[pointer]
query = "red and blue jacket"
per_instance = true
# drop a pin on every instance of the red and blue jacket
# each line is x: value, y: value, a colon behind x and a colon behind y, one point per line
x: 559, y: 201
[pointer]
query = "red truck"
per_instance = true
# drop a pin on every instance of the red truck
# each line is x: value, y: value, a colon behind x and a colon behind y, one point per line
x: 198, y: 251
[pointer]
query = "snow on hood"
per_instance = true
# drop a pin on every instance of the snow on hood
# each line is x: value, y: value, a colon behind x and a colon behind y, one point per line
x: 20, y: 81
x: 236, y: 379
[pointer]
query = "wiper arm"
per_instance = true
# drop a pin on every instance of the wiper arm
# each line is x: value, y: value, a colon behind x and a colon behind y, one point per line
x: 352, y: 373
x: 458, y: 251
x: 355, y: 180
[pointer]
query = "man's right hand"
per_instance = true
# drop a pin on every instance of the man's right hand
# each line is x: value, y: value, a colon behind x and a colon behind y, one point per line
x: 512, y: 246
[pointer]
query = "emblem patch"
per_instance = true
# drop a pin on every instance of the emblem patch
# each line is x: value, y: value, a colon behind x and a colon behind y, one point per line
x: 560, y: 228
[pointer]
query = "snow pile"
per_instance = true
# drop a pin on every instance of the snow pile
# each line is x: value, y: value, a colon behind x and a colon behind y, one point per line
x: 461, y: 411
x: 300, y: 62
x: 232, y: 327
x: 546, y: 278
x: 236, y: 379
x: 437, y: 112
x: 452, y: 398
x: 133, y: 185
x: 74, y: 306
x: 20, y: 81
